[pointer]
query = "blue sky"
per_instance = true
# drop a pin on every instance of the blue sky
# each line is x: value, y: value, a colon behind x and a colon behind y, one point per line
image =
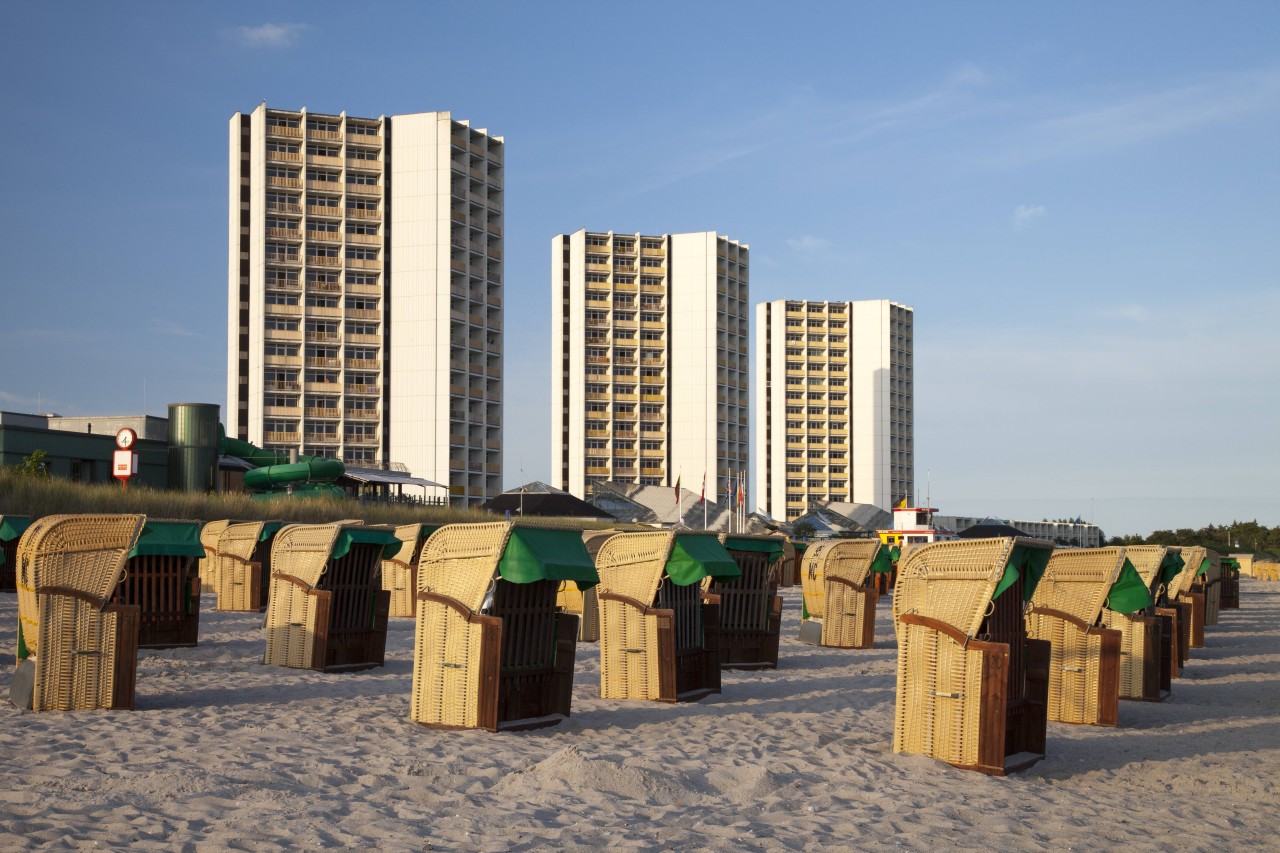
x: 1081, y: 202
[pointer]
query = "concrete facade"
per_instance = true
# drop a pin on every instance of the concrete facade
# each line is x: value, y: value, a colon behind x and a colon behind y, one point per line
x: 649, y: 359
x: 365, y: 292
x: 834, y: 404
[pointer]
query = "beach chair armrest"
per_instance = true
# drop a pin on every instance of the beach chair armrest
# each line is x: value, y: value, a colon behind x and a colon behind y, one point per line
x: 960, y: 638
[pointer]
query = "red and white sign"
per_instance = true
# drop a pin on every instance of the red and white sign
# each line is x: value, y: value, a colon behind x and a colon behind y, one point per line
x: 124, y: 464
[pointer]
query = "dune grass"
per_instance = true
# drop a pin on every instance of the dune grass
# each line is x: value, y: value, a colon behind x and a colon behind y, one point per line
x: 35, y: 497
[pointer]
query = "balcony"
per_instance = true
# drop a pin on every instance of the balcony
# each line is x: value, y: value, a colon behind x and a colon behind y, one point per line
x: 334, y: 337
x: 284, y: 233
x: 324, y: 286
x: 320, y: 160
x: 325, y: 186
x: 364, y: 339
x: 281, y: 207
x: 322, y: 413
x: 322, y: 438
x: 360, y: 439
x: 361, y: 213
x: 323, y: 261
x: 364, y: 189
x: 324, y: 311
x: 361, y: 414
x: 366, y: 165
x: 364, y: 314
x: 321, y: 387
x: 283, y: 360
x: 283, y: 335
x: 363, y: 238
x: 330, y: 211
x: 363, y: 264
x: 287, y: 132
x: 324, y: 236
x: 321, y: 361
x: 362, y: 364
x: 362, y: 390
x: 324, y: 135
x: 281, y: 437
x: 288, y: 183
x: 361, y: 287
x: 276, y: 385
x: 367, y: 140
x: 284, y: 157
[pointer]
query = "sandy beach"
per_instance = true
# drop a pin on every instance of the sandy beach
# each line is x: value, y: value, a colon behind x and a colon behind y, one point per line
x: 225, y: 753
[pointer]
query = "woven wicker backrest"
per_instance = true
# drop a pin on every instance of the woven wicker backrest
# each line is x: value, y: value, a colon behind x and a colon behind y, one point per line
x: 1146, y: 559
x: 82, y: 552
x: 951, y: 581
x: 593, y: 539
x: 849, y: 559
x: 408, y: 535
x: 1078, y: 580
x: 633, y: 564
x: 461, y: 560
x: 1192, y: 557
x: 302, y: 550
x: 209, y: 536
x: 240, y: 540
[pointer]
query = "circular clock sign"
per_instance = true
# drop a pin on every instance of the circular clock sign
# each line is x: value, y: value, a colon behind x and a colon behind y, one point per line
x: 125, y: 438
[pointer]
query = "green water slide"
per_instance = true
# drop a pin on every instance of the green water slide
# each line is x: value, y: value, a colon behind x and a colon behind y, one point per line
x: 274, y: 475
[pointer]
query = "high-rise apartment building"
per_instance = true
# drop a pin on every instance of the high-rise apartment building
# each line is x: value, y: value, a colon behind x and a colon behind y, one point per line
x: 834, y: 404
x: 365, y: 292
x: 649, y: 362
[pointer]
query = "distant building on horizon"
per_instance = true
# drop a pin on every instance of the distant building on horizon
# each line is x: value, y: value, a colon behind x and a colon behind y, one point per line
x: 834, y: 408
x: 366, y: 292
x: 649, y: 360
x: 1079, y: 533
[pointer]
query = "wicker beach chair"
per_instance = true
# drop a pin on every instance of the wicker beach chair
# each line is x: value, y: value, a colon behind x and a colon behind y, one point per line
x: 1209, y: 584
x: 1184, y: 590
x: 11, y: 530
x: 788, y: 570
x: 582, y: 602
x: 76, y: 650
x: 242, y: 565
x: 1148, y: 639
x: 161, y: 577
x: 750, y: 607
x: 328, y: 610
x: 400, y: 571
x: 659, y: 632
x: 1230, y: 580
x: 1084, y: 662
x: 491, y: 648
x: 208, y: 564
x: 838, y: 578
x: 971, y: 687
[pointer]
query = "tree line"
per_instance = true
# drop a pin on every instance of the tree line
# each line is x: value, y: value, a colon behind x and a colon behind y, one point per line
x: 1238, y: 537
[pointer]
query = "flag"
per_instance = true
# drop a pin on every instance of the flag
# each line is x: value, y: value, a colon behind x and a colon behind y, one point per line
x: 902, y: 504
x: 728, y: 489
x: 703, y: 499
x: 677, y: 488
x: 742, y: 498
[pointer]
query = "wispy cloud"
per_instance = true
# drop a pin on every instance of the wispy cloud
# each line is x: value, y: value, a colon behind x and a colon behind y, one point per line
x: 172, y: 329
x: 1126, y: 313
x: 270, y: 35
x: 1112, y: 122
x: 1025, y: 214
x: 807, y: 243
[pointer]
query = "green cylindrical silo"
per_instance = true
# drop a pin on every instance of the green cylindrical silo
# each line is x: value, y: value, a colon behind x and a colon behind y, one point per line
x: 193, y: 446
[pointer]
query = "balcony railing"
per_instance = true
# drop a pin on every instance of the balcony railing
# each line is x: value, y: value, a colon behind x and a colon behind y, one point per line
x: 290, y: 183
x: 324, y: 261
x: 276, y: 385
x: 362, y: 364
x: 319, y: 361
x: 324, y: 237
x: 282, y: 130
x: 364, y: 314
x: 281, y: 437
x: 322, y: 438
x: 362, y: 389
x: 360, y: 439
x: 323, y: 413
x: 361, y: 414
